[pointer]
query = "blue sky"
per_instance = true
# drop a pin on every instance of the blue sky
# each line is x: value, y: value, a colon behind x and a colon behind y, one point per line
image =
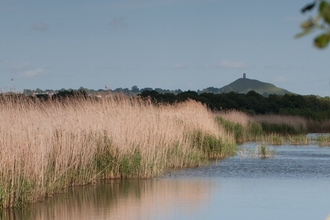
x: 169, y: 44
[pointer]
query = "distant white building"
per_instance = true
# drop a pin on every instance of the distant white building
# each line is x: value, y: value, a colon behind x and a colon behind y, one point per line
x: 244, y: 75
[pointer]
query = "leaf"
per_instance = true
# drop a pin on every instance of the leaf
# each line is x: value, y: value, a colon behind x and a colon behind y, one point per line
x: 325, y: 11
x: 322, y: 41
x: 307, y: 24
x: 305, y: 32
x: 308, y: 7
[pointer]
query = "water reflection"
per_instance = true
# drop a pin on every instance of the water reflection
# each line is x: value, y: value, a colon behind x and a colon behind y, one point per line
x: 137, y: 199
x: 295, y: 184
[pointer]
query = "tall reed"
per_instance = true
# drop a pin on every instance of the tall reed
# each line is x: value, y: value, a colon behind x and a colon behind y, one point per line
x: 47, y: 146
x: 323, y: 140
x: 281, y: 124
x: 273, y: 129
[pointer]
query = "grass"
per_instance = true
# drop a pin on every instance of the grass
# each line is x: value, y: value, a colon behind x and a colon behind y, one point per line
x: 299, y: 140
x: 261, y: 151
x: 236, y: 129
x: 264, y: 152
x: 323, y: 140
x: 49, y: 146
x: 213, y: 147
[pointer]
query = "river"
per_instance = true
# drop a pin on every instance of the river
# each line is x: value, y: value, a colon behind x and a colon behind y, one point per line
x: 293, y: 184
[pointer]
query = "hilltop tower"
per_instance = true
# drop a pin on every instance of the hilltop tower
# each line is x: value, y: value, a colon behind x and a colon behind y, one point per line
x: 244, y: 75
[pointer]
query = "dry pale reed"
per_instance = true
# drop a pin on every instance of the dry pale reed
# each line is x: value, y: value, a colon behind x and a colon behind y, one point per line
x: 236, y: 117
x: 242, y: 118
x: 295, y: 121
x: 50, y: 145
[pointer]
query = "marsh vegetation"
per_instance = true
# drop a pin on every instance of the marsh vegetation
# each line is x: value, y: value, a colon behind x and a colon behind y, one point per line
x: 271, y: 129
x: 49, y: 145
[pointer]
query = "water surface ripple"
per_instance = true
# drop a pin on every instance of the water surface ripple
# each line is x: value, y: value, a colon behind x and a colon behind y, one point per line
x: 289, y: 162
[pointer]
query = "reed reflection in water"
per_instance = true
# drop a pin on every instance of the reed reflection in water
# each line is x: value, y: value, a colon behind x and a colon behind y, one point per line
x: 123, y: 199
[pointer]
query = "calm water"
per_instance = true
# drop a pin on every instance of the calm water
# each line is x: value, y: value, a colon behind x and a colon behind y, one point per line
x: 295, y: 184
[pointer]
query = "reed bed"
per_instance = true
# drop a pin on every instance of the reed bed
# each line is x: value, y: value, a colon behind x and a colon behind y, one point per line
x: 282, y: 124
x: 323, y: 140
x: 299, y: 140
x: 48, y: 146
x: 272, y: 129
x: 236, y: 117
x: 315, y: 126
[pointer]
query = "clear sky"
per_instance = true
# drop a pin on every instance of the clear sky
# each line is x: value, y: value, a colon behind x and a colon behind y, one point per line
x: 168, y: 44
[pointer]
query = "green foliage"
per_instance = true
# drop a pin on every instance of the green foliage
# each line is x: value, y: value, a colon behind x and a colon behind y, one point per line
x: 274, y: 133
x: 63, y: 94
x: 105, y: 158
x: 323, y: 140
x: 299, y: 140
x: 320, y: 22
x: 213, y: 147
x: 324, y: 11
x: 276, y: 140
x: 310, y: 106
x: 233, y: 128
x: 178, y: 158
x: 17, y: 192
x: 255, y: 130
x: 322, y: 40
x: 282, y: 129
x: 264, y: 152
x: 27, y: 92
x: 130, y: 165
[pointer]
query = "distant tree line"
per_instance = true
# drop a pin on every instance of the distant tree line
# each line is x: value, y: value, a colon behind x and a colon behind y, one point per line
x: 126, y: 91
x: 134, y: 90
x: 309, y: 106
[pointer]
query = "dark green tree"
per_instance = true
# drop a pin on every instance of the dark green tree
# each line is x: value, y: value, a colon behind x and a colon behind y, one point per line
x: 27, y: 92
x: 135, y: 89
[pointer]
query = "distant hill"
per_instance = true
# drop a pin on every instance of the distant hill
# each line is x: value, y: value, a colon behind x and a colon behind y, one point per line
x: 244, y: 85
x: 241, y: 85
